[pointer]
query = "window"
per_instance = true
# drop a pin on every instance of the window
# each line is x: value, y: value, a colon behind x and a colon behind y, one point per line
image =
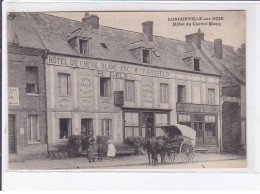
x: 31, y: 79
x: 64, y: 84
x: 161, y: 119
x: 210, y: 126
x: 65, y: 128
x: 184, y: 119
x: 106, y: 127
x: 211, y: 96
x: 131, y: 124
x: 83, y: 46
x: 164, y: 92
x: 181, y: 93
x: 146, y: 56
x: 104, y: 87
x: 196, y: 64
x: 129, y: 90
x: 33, y: 133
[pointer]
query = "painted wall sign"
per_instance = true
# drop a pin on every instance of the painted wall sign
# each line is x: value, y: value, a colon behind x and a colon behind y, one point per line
x: 86, y: 103
x: 13, y: 96
x: 105, y: 104
x: 108, y: 66
x: 64, y: 103
x: 21, y: 131
x: 147, y: 92
x: 197, y: 108
x: 85, y: 86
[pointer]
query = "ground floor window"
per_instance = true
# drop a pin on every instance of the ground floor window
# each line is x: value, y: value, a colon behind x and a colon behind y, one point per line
x: 65, y: 128
x: 106, y: 126
x: 131, y: 124
x: 210, y: 126
x: 184, y: 119
x: 161, y: 119
x: 33, y: 133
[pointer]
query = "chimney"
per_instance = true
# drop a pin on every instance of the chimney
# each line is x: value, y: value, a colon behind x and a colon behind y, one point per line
x: 218, y: 48
x: 91, y: 20
x: 195, y: 38
x: 10, y: 27
x: 148, y: 30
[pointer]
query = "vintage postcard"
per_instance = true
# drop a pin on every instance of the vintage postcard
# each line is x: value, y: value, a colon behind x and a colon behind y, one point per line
x: 126, y: 90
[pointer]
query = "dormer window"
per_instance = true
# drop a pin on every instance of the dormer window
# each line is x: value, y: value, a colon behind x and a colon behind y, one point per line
x: 104, y: 45
x: 146, y: 56
x: 83, y: 46
x: 197, y: 64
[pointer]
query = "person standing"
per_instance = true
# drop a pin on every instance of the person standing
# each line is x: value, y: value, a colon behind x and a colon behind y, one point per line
x: 111, y: 153
x: 91, y: 151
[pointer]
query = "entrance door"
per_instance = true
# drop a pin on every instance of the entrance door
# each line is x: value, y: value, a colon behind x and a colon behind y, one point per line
x: 148, y: 124
x: 11, y: 133
x: 198, y: 127
x: 86, y: 126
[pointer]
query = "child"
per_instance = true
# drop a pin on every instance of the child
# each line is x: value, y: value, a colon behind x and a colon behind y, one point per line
x: 100, y: 152
x: 111, y: 153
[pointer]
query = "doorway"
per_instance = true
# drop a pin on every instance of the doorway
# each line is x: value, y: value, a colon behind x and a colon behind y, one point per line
x: 198, y: 127
x: 65, y: 128
x: 86, y: 126
x: 148, y: 124
x: 11, y: 133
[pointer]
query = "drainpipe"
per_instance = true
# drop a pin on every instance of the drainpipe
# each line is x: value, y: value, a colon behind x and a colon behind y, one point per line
x: 45, y: 97
x: 220, y: 115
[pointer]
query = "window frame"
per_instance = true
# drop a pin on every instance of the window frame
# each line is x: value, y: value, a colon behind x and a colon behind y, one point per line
x: 132, y: 125
x: 194, y: 64
x: 166, y: 85
x: 127, y: 97
x: 69, y: 129
x: 103, y: 130
x: 36, y: 81
x: 183, y: 93
x: 212, y: 97
x: 108, y: 89
x: 29, y: 130
x: 148, y: 57
x: 81, y: 48
x: 69, y: 89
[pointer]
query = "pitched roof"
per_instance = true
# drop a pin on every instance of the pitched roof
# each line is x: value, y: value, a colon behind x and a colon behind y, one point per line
x: 54, y: 33
x: 230, y: 64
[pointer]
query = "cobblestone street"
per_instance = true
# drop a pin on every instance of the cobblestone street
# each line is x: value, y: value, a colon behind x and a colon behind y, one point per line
x: 127, y: 162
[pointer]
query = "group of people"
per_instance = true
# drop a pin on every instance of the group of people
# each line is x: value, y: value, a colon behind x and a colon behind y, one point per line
x: 111, y: 152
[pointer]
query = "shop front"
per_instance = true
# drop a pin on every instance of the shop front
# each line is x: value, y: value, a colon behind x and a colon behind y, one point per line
x: 204, y: 119
x: 144, y: 122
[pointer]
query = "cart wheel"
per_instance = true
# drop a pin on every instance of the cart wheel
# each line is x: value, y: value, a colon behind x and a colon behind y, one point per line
x: 170, y: 157
x: 187, y: 151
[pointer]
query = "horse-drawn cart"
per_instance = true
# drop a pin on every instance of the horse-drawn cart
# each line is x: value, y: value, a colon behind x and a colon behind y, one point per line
x: 180, y: 140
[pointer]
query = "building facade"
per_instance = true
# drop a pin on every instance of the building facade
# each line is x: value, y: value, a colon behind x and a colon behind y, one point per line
x: 26, y: 93
x: 116, y: 83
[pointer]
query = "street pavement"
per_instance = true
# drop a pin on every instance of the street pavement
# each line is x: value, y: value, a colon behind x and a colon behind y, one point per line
x: 201, y: 160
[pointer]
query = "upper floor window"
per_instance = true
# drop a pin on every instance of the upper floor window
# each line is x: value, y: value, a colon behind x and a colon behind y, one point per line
x: 32, y: 79
x: 146, y: 56
x: 129, y: 90
x: 164, y: 92
x: 64, y: 84
x: 181, y: 93
x: 104, y: 87
x: 211, y: 96
x: 83, y: 46
x: 196, y: 64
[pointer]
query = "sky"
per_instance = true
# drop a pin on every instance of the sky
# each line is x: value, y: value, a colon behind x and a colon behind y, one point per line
x: 231, y: 31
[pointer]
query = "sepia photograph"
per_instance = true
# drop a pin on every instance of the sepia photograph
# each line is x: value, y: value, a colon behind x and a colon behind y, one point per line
x: 126, y: 90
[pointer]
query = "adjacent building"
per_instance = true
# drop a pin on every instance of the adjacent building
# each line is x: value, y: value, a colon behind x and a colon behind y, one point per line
x: 26, y: 89
x: 111, y: 82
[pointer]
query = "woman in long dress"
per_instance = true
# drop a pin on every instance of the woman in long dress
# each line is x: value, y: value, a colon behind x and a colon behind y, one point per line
x: 91, y: 152
x: 111, y: 152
